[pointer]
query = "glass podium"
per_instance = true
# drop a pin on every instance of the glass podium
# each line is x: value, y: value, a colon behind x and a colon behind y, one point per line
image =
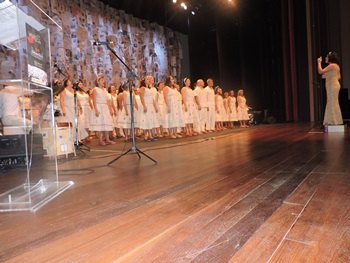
x: 28, y: 175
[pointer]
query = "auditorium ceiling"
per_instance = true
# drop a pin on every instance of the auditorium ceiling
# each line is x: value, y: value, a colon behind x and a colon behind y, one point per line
x: 165, y: 12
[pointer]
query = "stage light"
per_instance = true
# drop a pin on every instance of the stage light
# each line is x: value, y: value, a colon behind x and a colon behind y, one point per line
x: 193, y: 13
x: 184, y: 6
x: 174, y: 1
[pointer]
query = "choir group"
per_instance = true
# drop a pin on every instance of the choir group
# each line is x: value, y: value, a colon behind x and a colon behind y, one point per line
x: 156, y: 110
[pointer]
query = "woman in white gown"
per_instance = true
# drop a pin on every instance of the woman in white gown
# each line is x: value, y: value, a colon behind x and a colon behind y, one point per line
x: 172, y: 110
x: 161, y: 108
x: 138, y: 112
x: 148, y: 115
x: 332, y: 115
x: 225, y: 113
x: 101, y: 120
x: 219, y: 109
x: 85, y: 110
x: 242, y: 109
x: 232, y: 109
x: 180, y: 111
x: 113, y: 98
x: 188, y: 106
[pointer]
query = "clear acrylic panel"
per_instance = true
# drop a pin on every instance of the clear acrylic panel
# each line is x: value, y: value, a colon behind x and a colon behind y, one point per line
x: 28, y: 136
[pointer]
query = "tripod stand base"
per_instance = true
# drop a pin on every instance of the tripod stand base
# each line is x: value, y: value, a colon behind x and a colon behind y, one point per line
x: 81, y: 147
x: 133, y: 149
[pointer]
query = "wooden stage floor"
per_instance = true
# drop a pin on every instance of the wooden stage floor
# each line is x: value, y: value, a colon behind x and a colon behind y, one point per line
x: 274, y: 193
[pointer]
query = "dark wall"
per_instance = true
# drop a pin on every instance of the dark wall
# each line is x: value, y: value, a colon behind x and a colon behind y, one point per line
x: 242, y: 49
x: 345, y: 42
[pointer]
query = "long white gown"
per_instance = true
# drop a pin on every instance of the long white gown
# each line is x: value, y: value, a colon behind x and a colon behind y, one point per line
x: 188, y: 115
x: 138, y: 112
x: 172, y: 118
x: 233, y: 107
x: 114, y: 100
x: 332, y: 115
x: 161, y: 109
x: 148, y: 119
x: 85, y: 114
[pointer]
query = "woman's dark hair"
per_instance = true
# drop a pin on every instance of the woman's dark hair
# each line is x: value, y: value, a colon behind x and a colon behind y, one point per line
x: 65, y: 82
x: 143, y: 83
x: 120, y: 89
x: 160, y: 82
x: 110, y: 88
x: 168, y: 80
x: 333, y: 57
x: 125, y: 86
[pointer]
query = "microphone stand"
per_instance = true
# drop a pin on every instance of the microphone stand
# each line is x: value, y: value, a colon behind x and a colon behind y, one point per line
x: 131, y: 76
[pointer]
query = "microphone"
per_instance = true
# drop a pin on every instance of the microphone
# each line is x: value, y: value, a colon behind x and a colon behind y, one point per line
x: 55, y: 65
x: 100, y: 43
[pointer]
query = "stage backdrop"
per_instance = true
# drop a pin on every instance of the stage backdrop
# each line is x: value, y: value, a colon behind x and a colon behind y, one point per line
x: 147, y: 47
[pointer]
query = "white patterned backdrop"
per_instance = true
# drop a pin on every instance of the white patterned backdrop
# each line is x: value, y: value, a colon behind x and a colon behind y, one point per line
x: 147, y: 48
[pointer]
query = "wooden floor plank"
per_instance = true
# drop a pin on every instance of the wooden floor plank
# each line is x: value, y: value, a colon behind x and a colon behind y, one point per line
x: 266, y: 239
x: 292, y: 251
x: 306, y: 189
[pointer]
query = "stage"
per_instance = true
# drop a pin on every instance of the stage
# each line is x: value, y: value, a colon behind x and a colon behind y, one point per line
x: 268, y: 193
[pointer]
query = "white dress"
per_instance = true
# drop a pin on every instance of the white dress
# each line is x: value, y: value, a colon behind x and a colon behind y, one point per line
x: 138, y: 112
x: 114, y: 101
x: 172, y: 119
x: 242, y: 109
x: 161, y: 109
x: 69, y: 107
x: 220, y: 113
x: 233, y: 107
x: 181, y: 111
x: 155, y: 98
x: 188, y: 115
x: 85, y: 114
x: 149, y: 118
x: 225, y: 111
x: 104, y: 121
x: 125, y: 120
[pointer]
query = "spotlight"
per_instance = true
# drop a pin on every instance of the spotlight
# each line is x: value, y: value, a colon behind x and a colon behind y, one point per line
x: 184, y: 6
x: 193, y: 13
x: 174, y: 1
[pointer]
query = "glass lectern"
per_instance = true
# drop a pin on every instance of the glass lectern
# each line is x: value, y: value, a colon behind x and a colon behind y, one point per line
x: 28, y: 176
